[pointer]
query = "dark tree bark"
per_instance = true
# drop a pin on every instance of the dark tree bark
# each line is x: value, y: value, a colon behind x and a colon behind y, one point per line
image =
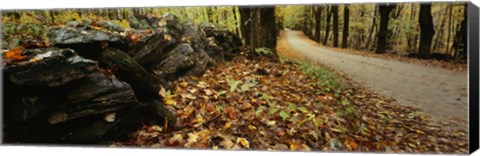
x: 463, y: 32
x: 327, y: 26
x: 209, y: 14
x: 79, y: 12
x: 335, y: 25
x: 216, y: 19
x: 318, y: 15
x: 245, y: 23
x: 426, y: 30
x: 382, y: 36
x: 346, y: 16
x: 262, y: 32
x: 52, y: 16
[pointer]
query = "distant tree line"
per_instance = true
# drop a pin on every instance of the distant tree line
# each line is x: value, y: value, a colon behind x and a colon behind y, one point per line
x: 415, y: 29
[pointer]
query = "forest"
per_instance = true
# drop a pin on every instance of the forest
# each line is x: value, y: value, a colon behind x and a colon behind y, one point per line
x: 395, y: 27
x: 320, y: 77
x: 389, y: 28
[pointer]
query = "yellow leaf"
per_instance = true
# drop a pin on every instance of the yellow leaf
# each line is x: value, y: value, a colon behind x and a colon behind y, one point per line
x: 293, y: 147
x: 35, y: 59
x: 184, y: 84
x: 244, y: 142
x: 168, y: 37
x: 227, y: 143
x: 227, y: 125
x: 193, y: 90
x: 169, y: 102
x: 271, y: 123
x: 162, y: 92
x: 420, y: 131
x: 192, y: 138
x: 176, y: 138
x: 251, y: 127
x: 262, y: 133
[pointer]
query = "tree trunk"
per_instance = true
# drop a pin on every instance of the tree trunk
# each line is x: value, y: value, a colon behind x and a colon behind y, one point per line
x: 245, y: 23
x: 216, y: 19
x: 262, y: 31
x: 409, y: 35
x: 426, y: 30
x: 346, y: 15
x: 461, y: 45
x: 125, y: 14
x: 234, y: 11
x: 318, y: 15
x: 312, y: 22
x: 396, y: 31
x: 382, y: 36
x: 307, y: 27
x: 335, y: 25
x: 209, y: 14
x: 440, y: 30
x: 449, y: 32
x: 370, y: 34
x: 116, y: 14
x: 327, y: 26
x: 108, y: 12
x: 52, y: 16
x: 79, y: 12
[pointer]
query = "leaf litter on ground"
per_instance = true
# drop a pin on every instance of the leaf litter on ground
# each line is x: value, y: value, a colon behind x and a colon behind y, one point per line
x: 232, y: 106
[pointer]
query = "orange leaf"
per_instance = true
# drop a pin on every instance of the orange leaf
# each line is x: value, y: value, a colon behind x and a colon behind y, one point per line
x: 135, y: 38
x: 231, y: 112
x: 351, y: 144
x: 14, y: 55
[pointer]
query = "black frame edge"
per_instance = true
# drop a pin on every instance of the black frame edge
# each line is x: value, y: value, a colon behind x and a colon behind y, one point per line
x: 473, y: 64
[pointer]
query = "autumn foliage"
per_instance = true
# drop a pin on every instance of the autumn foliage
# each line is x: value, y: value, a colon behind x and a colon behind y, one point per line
x: 285, y: 107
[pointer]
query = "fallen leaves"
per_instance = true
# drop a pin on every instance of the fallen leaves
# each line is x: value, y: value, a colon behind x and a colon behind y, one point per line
x: 13, y: 55
x: 244, y: 142
x: 231, y: 106
x: 167, y: 96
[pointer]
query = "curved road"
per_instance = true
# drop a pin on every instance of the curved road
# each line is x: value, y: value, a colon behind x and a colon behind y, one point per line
x: 439, y: 93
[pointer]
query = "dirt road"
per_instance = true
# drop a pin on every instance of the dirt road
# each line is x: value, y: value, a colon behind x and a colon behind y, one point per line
x: 439, y: 93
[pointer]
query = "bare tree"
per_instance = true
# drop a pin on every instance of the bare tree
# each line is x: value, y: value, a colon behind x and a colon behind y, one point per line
x: 382, y: 36
x: 426, y: 30
x: 335, y: 25
x: 346, y: 15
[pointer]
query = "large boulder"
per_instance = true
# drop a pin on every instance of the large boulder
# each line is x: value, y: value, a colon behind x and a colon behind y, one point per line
x: 86, y: 40
x: 101, y: 81
x: 98, y: 93
x: 175, y: 63
x: 221, y: 44
x: 49, y: 67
